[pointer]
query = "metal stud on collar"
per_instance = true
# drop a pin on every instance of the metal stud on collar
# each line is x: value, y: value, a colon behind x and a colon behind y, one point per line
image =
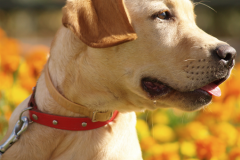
x: 55, y: 122
x: 35, y: 116
x: 84, y: 124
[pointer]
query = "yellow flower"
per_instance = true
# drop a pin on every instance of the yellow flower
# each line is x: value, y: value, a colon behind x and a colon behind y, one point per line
x: 6, y: 80
x: 188, y: 149
x: 7, y: 112
x: 16, y: 94
x: 194, y: 130
x: 171, y: 147
x: 168, y: 151
x: 236, y: 113
x: 163, y: 133
x: 156, y: 149
x: 142, y: 129
x: 160, y: 118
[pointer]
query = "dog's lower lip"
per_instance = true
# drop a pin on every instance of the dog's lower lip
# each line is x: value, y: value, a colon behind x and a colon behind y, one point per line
x: 220, y: 81
x: 201, y: 90
x: 154, y: 88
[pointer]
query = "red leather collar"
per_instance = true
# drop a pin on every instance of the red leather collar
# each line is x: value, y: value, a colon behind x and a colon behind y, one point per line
x: 61, y: 122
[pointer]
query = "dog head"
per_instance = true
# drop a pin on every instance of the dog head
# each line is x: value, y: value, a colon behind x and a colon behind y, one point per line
x: 166, y: 59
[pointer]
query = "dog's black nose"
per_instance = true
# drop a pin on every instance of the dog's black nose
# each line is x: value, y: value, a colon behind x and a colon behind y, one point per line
x: 227, y: 54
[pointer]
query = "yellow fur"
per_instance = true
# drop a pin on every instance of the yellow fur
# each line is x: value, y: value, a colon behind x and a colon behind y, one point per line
x: 109, y: 79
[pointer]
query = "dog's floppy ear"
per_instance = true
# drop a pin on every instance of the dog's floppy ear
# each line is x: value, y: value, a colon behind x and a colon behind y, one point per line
x: 98, y: 23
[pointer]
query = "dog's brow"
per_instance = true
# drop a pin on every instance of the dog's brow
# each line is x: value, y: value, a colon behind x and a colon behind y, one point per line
x: 171, y: 2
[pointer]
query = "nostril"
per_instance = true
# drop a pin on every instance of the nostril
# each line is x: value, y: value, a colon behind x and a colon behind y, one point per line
x: 226, y: 52
x: 228, y: 57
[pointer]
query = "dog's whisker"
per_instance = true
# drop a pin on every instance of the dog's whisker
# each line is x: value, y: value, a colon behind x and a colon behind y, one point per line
x: 121, y: 77
x: 190, y: 60
x: 207, y: 6
x: 197, y: 3
x: 204, y: 109
x: 147, y: 115
x: 192, y: 86
x: 152, y: 125
x: 183, y: 118
x: 195, y: 47
x: 227, y: 40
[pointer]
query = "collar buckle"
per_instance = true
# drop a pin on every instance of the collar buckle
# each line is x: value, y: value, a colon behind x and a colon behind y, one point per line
x: 94, y: 119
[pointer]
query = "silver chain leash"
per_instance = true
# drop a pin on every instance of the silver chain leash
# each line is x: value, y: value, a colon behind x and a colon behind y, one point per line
x: 21, y: 126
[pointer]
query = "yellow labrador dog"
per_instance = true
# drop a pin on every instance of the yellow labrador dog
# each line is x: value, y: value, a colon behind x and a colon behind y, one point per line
x: 120, y: 55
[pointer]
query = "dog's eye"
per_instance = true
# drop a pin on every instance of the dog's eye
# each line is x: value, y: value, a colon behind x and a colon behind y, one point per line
x: 162, y: 15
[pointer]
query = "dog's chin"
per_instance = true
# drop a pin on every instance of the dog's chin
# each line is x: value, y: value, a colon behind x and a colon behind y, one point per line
x: 190, y: 101
x: 187, y: 101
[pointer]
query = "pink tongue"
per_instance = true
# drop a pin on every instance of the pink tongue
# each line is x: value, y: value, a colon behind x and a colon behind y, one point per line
x: 212, y: 89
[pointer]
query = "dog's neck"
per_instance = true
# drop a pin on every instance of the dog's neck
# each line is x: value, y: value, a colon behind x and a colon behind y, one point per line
x: 70, y: 72
x: 101, y: 143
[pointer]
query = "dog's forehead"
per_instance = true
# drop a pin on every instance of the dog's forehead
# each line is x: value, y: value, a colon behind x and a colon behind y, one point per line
x: 157, y: 3
x: 181, y: 8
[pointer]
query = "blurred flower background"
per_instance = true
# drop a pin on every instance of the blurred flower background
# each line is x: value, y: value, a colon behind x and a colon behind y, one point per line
x: 165, y: 134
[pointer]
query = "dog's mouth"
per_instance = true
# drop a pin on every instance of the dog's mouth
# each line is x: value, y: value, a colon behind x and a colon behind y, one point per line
x: 156, y: 89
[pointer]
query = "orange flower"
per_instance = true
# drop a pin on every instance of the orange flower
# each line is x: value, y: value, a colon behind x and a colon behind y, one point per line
x: 165, y: 156
x: 220, y: 111
x: 9, y: 52
x: 2, y: 34
x: 26, y: 77
x: 168, y: 151
x: 170, y: 156
x: 234, y: 154
x: 147, y: 142
x: 36, y: 58
x: 233, y: 85
x: 210, y: 147
x: 226, y: 132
